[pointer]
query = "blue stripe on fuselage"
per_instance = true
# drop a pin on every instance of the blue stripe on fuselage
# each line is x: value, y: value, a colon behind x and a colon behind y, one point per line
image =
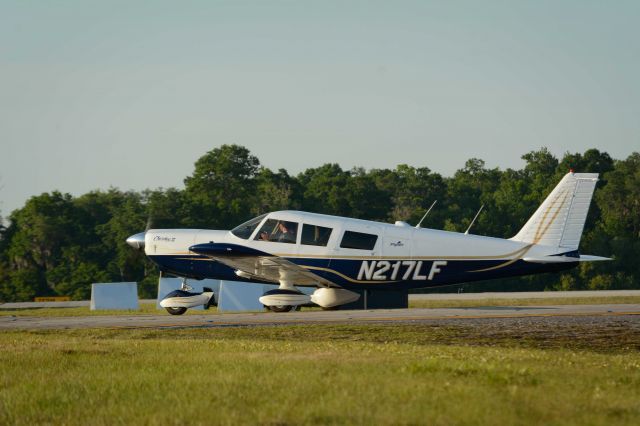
x: 345, y: 272
x: 350, y: 273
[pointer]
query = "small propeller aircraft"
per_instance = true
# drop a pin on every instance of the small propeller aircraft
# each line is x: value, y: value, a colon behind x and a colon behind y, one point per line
x: 337, y: 254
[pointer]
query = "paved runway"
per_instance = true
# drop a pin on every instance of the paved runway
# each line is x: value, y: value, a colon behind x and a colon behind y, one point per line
x: 412, y: 297
x: 320, y: 317
x: 525, y: 295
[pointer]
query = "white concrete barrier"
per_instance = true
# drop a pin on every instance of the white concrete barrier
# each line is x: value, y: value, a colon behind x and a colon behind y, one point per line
x: 114, y: 296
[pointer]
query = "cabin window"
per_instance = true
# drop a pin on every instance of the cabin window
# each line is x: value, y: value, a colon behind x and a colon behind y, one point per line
x: 245, y: 230
x: 279, y: 231
x: 358, y: 240
x: 313, y: 235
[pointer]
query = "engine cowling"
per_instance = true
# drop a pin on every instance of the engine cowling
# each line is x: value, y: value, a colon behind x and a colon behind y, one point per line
x: 331, y: 297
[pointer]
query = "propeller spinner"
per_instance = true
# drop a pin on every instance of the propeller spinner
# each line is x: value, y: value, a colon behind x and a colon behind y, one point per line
x: 137, y: 241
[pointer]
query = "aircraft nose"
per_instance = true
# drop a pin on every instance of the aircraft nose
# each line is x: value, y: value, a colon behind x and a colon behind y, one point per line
x: 136, y: 241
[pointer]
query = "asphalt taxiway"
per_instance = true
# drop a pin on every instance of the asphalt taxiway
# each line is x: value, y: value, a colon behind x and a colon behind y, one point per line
x: 630, y: 311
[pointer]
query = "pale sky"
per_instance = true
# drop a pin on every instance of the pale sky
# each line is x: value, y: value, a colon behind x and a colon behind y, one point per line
x: 131, y: 93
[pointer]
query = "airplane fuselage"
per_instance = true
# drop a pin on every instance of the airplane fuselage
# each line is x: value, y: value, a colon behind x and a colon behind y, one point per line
x: 353, y: 253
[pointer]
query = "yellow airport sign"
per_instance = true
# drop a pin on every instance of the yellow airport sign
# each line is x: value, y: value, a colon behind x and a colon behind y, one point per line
x: 52, y: 299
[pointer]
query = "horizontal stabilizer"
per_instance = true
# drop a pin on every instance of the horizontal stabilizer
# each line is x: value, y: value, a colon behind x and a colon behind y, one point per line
x: 564, y: 259
x: 589, y: 258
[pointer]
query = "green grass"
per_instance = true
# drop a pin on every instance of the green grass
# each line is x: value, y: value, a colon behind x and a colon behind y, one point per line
x: 523, y: 302
x: 379, y: 374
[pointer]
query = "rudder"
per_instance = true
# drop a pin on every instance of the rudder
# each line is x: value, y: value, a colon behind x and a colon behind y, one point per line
x: 560, y: 219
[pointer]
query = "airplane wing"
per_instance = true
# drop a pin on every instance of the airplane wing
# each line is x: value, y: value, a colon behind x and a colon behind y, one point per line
x: 255, y: 264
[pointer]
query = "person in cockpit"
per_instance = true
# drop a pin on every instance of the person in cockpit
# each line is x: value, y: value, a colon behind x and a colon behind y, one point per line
x: 280, y: 231
x: 285, y: 235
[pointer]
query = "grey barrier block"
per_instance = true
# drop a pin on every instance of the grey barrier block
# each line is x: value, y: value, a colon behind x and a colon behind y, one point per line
x: 114, y: 296
x: 238, y: 296
x: 167, y: 285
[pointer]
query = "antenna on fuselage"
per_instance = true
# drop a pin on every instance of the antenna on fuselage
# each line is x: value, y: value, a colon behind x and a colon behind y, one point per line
x: 474, y: 220
x: 425, y: 215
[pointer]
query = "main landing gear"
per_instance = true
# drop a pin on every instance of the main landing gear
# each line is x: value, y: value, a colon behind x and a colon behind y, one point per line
x: 289, y: 298
x: 285, y: 298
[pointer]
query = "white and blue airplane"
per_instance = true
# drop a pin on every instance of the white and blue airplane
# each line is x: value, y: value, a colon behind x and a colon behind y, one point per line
x: 337, y: 254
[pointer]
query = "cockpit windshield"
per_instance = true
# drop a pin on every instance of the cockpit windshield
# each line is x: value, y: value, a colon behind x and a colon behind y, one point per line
x: 245, y: 230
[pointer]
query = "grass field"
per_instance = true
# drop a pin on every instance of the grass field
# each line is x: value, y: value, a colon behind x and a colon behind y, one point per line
x: 523, y: 302
x: 150, y: 308
x: 371, y: 374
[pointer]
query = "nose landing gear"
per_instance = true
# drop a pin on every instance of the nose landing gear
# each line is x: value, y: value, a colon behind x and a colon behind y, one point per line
x: 178, y: 301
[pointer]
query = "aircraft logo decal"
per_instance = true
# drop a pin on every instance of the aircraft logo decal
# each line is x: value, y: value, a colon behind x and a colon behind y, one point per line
x: 382, y: 270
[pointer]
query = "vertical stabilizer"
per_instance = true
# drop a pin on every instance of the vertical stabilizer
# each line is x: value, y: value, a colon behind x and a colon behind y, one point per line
x: 560, y: 219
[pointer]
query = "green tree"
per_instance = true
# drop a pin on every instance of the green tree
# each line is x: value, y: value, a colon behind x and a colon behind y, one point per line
x: 5, y: 284
x: 619, y: 201
x: 364, y: 198
x: 509, y: 208
x: 57, y: 244
x: 618, y: 232
x: 126, y: 216
x: 275, y: 191
x: 41, y: 230
x: 592, y: 161
x: 414, y: 190
x: 467, y: 191
x: 326, y: 190
x: 163, y: 208
x: 222, y: 189
x: 540, y: 174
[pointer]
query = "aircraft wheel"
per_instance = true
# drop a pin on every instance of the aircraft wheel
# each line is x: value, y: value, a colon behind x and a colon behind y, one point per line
x: 281, y: 308
x: 176, y: 311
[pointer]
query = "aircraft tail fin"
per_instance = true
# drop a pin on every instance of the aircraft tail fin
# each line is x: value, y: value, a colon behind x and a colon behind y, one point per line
x: 560, y: 219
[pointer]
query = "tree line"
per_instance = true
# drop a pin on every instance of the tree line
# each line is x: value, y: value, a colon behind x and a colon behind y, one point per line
x: 58, y: 244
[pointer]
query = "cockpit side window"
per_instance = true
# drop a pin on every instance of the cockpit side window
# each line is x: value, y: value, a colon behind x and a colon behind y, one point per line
x: 279, y: 231
x: 358, y: 240
x: 313, y: 235
x: 245, y: 230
